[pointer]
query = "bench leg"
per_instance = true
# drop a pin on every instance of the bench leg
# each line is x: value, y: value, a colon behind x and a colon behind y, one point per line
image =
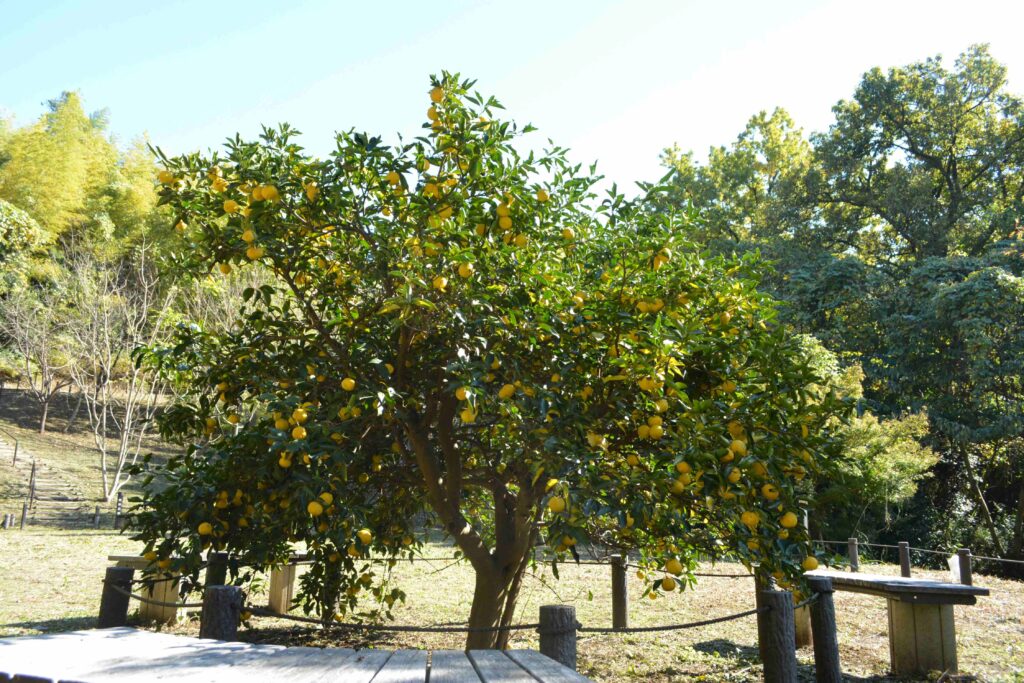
x: 162, y: 591
x: 922, y: 638
x: 802, y: 616
x: 282, y: 584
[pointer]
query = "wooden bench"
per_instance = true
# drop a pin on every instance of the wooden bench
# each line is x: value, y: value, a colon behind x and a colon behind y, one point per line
x: 132, y: 655
x: 164, y: 590
x: 922, y: 632
x: 282, y: 588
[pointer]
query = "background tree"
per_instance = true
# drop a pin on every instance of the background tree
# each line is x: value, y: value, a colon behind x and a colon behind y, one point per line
x: 453, y: 327
x: 33, y: 324
x: 910, y: 199
x: 53, y: 166
x: 116, y: 308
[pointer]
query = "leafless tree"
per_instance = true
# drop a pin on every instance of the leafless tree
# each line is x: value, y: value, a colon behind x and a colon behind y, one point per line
x: 116, y: 307
x: 32, y: 320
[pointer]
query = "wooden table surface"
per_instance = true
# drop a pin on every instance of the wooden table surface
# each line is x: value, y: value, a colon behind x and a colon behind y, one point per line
x: 129, y: 654
x: 906, y: 589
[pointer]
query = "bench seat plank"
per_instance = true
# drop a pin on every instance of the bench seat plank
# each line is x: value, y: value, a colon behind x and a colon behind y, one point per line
x: 923, y: 591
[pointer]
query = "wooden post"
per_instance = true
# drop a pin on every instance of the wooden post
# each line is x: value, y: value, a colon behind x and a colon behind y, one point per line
x: 24, y: 514
x: 620, y: 594
x: 823, y: 624
x: 114, y: 603
x: 779, y: 644
x: 904, y: 558
x: 222, y: 609
x: 32, y: 485
x: 762, y: 582
x: 96, y: 518
x: 118, y: 508
x: 966, y: 574
x: 558, y: 633
x: 852, y: 551
x: 216, y: 569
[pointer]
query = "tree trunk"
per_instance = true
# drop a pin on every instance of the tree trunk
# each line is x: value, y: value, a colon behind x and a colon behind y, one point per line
x: 74, y: 414
x: 982, y: 503
x: 42, y: 418
x: 1017, y: 545
x: 489, y: 605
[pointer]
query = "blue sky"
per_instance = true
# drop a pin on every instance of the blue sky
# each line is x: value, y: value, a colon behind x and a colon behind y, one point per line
x: 615, y: 80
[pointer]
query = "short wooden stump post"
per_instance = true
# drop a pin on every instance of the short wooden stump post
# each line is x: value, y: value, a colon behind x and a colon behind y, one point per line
x: 558, y: 633
x: 222, y: 610
x: 779, y: 637
x: 282, y: 586
x: 620, y: 593
x: 904, y: 547
x: 922, y: 638
x: 114, y: 602
x: 823, y: 623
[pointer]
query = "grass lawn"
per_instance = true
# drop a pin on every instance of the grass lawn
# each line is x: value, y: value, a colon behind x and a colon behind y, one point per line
x: 51, y: 581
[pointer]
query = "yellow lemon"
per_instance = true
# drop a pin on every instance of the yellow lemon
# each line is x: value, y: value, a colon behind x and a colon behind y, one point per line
x: 770, y: 492
x: 205, y: 529
x: 230, y: 206
x: 364, y: 536
x: 299, y: 433
x: 788, y: 520
x: 507, y: 391
x: 668, y: 583
x: 348, y: 384
x: 556, y: 504
x: 750, y: 519
x: 436, y: 94
x: 810, y: 563
x: 674, y: 566
x: 315, y: 508
x: 542, y: 195
x: 466, y: 270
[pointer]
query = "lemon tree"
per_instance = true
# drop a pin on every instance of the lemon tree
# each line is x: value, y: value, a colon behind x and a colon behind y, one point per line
x: 453, y: 331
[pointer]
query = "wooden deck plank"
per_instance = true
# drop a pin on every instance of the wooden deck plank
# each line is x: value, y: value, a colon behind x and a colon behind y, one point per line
x: 543, y: 668
x: 129, y: 655
x: 495, y: 667
x: 58, y: 655
x: 405, y: 666
x: 452, y: 666
x: 361, y: 667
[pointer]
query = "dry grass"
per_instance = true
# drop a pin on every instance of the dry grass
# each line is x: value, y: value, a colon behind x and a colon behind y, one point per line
x: 51, y: 581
